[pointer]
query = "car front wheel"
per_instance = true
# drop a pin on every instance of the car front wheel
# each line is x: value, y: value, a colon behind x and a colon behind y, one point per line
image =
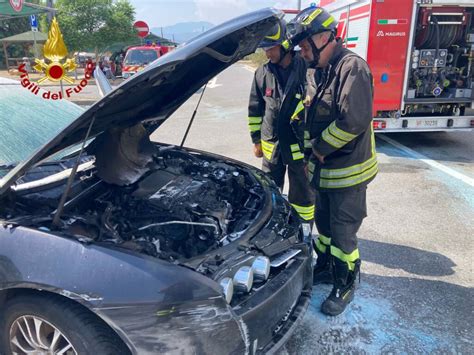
x: 51, y: 325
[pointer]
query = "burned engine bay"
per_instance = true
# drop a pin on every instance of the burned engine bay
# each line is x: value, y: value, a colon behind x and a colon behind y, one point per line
x: 182, y: 205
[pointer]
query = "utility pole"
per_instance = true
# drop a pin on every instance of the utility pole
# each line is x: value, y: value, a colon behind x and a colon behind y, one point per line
x: 299, y: 5
x: 50, y: 14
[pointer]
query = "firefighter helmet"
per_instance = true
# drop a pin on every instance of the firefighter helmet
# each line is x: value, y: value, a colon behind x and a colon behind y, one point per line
x: 276, y: 36
x: 310, y: 21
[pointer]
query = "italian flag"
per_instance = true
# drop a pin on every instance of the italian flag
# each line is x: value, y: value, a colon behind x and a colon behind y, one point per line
x: 351, y: 42
x: 392, y: 21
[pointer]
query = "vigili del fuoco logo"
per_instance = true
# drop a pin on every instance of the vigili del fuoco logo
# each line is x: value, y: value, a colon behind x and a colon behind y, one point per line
x: 54, y: 68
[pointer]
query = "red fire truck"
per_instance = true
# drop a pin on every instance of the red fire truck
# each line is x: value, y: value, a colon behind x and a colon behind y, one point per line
x: 421, y: 53
x: 137, y: 57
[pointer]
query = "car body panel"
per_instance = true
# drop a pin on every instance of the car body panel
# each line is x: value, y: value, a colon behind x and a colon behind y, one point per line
x: 139, y: 295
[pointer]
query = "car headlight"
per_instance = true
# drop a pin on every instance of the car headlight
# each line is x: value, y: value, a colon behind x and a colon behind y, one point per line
x: 243, y: 279
x: 261, y: 268
x: 227, y: 285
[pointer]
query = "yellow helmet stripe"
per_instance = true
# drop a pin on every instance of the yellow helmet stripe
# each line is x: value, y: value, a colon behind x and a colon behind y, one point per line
x: 312, y: 16
x: 276, y: 36
x: 328, y: 21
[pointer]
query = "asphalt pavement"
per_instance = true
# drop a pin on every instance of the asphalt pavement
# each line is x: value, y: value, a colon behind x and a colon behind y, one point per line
x: 416, y: 290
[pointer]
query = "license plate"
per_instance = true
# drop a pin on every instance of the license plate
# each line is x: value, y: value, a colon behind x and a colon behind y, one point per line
x: 426, y: 123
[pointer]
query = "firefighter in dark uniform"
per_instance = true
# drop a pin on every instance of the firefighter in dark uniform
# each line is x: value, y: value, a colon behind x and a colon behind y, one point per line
x: 339, y: 150
x: 276, y: 90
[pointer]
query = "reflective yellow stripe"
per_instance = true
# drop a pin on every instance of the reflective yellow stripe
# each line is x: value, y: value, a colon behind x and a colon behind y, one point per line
x: 350, y: 181
x: 268, y: 145
x: 328, y: 21
x: 298, y: 156
x: 331, y: 140
x: 307, y: 142
x: 298, y: 96
x: 350, y: 259
x: 339, y: 133
x: 354, y: 170
x: 312, y: 16
x: 349, y: 171
x: 303, y: 209
x: 306, y: 212
x: 255, y: 120
x: 276, y: 36
x: 372, y: 140
x: 267, y: 149
x: 255, y: 127
x: 324, y: 239
x: 295, y: 147
x: 295, y: 150
x: 254, y: 123
x: 338, y: 253
x: 298, y: 109
x: 321, y: 247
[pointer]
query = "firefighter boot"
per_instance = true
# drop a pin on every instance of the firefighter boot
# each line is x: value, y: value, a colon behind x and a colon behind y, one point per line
x: 344, y: 288
x: 323, y: 270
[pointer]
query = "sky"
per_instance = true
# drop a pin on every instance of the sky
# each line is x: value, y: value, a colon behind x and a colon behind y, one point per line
x: 157, y: 13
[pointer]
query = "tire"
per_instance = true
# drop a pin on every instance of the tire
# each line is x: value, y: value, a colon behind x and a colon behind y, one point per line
x: 79, y: 328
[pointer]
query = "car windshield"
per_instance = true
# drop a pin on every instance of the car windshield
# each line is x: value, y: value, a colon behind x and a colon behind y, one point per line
x: 140, y: 56
x: 27, y: 121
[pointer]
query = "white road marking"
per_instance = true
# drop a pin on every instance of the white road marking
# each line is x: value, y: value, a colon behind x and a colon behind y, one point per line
x: 447, y: 170
x: 213, y: 83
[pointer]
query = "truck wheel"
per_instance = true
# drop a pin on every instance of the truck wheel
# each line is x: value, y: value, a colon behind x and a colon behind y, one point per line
x: 51, y: 325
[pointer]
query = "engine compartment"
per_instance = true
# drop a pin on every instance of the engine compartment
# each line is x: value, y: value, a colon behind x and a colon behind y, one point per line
x: 185, y: 205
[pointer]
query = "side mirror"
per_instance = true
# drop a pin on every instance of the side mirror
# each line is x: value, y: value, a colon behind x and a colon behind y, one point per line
x: 103, y: 85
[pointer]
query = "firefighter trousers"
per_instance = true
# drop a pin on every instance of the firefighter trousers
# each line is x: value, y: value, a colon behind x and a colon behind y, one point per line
x: 300, y: 194
x: 338, y: 219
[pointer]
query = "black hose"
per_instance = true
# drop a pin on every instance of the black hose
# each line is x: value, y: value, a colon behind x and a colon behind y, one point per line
x: 435, y: 21
x: 429, y: 40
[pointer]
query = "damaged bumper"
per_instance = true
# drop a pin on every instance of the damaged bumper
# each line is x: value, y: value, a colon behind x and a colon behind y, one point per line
x: 273, y: 313
x: 261, y: 324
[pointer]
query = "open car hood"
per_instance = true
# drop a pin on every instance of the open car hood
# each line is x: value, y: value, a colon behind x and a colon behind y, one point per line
x: 152, y: 95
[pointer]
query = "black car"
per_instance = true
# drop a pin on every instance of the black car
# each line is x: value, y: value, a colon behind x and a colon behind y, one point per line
x: 111, y: 243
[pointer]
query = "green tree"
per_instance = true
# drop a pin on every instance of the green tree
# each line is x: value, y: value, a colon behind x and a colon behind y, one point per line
x: 95, y: 24
x: 11, y: 27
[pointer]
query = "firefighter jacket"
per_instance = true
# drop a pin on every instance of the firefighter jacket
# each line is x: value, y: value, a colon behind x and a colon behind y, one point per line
x: 271, y: 107
x: 339, y: 124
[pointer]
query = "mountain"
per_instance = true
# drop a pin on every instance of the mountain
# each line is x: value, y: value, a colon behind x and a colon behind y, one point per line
x: 183, y: 31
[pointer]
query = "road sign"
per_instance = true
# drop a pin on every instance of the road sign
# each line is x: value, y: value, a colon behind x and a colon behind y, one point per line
x: 17, y: 5
x: 142, y: 28
x: 33, y: 22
